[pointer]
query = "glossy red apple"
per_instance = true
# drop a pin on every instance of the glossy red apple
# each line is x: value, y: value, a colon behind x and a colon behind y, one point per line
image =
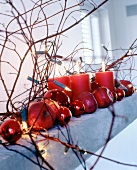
x: 59, y: 96
x: 103, y: 96
x: 129, y: 86
x: 120, y: 94
x: 64, y: 116
x: 94, y: 86
x: 11, y: 131
x: 77, y: 108
x: 89, y: 101
x: 41, y: 115
x: 55, y: 106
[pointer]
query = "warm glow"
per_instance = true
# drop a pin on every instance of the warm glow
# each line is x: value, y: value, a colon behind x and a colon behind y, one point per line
x: 24, y: 125
x: 67, y: 89
x: 57, y: 70
x: 66, y: 150
x: 103, y: 66
x: 33, y: 53
x: 130, y: 51
x: 85, y: 152
x: 77, y: 67
x: 42, y: 149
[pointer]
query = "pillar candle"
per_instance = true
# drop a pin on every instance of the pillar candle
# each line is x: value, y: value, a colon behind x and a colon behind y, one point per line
x: 79, y: 83
x: 65, y: 80
x: 105, y: 79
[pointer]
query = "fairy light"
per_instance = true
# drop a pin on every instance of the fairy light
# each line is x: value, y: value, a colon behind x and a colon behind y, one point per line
x: 130, y: 51
x: 56, y: 61
x: 24, y: 125
x: 62, y: 85
x: 104, y: 47
x: 66, y: 150
x: 85, y: 152
x: 23, y: 113
x: 42, y: 150
x: 31, y: 79
x: 40, y: 52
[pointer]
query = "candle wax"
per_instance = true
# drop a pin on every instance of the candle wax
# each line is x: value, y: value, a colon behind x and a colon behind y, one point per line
x: 105, y: 79
x: 79, y: 83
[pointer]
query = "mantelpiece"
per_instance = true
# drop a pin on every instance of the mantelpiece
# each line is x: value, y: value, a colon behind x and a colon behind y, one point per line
x: 90, y: 131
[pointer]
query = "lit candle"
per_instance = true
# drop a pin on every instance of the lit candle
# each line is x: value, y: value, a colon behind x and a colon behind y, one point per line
x: 105, y: 78
x: 79, y: 83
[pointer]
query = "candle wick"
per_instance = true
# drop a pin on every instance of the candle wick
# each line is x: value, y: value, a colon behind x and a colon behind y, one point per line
x: 103, y: 66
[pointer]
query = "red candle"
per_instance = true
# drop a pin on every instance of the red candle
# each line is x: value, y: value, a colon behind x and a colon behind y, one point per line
x: 65, y: 80
x: 106, y: 79
x: 79, y: 83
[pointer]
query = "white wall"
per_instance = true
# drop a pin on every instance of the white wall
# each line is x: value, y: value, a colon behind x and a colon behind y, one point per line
x: 123, y: 33
x: 121, y: 26
x: 68, y: 41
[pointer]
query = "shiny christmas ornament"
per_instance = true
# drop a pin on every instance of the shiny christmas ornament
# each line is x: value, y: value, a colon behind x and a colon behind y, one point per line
x: 115, y: 96
x: 103, y: 96
x: 129, y: 86
x: 77, y: 108
x: 89, y: 101
x: 64, y: 116
x: 59, y: 96
x: 120, y: 94
x: 11, y: 131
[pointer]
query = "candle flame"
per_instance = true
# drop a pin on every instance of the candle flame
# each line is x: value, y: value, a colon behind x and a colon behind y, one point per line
x: 77, y: 67
x: 103, y: 66
x: 57, y: 70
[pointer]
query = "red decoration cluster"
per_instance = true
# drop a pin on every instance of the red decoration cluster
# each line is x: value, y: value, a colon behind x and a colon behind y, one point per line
x: 55, y: 108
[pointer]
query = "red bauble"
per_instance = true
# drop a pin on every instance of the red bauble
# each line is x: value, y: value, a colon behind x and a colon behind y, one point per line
x: 11, y: 131
x: 64, y: 116
x: 103, y: 96
x: 94, y: 86
x: 120, y: 94
x: 59, y: 96
x: 41, y: 116
x: 129, y: 86
x: 89, y: 101
x: 77, y: 108
x: 115, y: 96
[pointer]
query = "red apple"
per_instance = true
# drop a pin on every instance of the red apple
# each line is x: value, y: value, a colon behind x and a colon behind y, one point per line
x: 94, y: 86
x: 129, y: 86
x: 77, y: 108
x: 120, y: 94
x: 89, y: 101
x: 103, y: 96
x: 64, y: 116
x: 41, y: 116
x: 55, y: 106
x: 59, y: 96
x: 11, y: 131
